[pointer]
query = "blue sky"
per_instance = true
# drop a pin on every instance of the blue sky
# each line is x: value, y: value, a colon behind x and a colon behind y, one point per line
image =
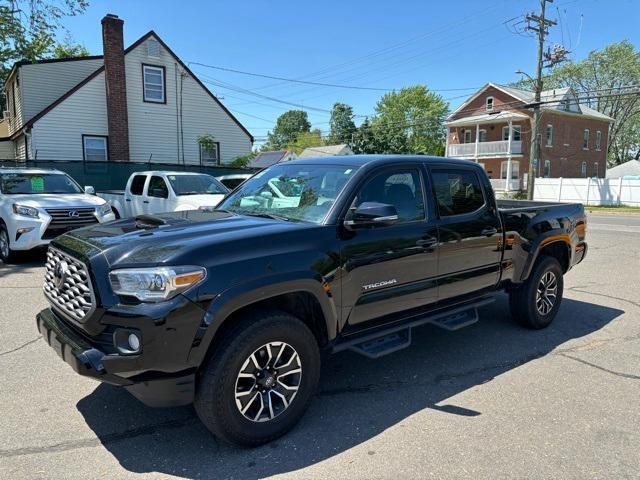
x: 445, y: 45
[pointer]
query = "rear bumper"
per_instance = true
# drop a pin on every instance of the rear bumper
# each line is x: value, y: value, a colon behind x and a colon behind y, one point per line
x: 580, y: 253
x: 87, y: 359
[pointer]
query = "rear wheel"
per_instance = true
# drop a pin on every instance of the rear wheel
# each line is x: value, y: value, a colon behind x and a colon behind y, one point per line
x: 535, y: 303
x: 6, y: 254
x: 260, y: 379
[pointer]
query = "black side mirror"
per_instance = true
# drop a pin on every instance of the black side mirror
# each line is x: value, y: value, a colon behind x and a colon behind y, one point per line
x: 372, y: 214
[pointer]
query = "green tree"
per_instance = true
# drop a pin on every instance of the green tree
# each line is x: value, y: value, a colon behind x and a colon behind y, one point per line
x: 342, y: 127
x: 603, y: 80
x: 408, y: 121
x: 288, y: 126
x: 306, y: 140
x: 68, y: 49
x: 28, y: 29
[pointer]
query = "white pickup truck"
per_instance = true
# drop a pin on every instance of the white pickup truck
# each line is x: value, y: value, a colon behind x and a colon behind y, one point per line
x: 37, y: 205
x: 157, y: 192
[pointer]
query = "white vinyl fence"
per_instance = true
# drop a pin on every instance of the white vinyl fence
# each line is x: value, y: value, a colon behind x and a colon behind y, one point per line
x: 589, y: 191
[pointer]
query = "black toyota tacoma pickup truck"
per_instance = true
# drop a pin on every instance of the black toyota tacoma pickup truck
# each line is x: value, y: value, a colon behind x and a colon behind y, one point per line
x: 230, y: 308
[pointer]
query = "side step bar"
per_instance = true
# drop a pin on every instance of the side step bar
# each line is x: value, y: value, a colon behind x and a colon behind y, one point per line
x: 392, y: 339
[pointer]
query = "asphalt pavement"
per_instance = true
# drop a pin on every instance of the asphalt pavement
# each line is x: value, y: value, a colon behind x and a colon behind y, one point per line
x: 489, y: 401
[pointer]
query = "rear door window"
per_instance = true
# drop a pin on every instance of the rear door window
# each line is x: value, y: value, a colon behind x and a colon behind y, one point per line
x: 137, y: 184
x: 457, y: 191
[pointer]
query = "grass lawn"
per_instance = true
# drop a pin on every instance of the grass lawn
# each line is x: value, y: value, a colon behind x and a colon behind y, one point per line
x: 612, y: 209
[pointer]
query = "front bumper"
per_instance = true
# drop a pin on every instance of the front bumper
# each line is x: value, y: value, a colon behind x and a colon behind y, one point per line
x: 34, y: 230
x: 88, y: 358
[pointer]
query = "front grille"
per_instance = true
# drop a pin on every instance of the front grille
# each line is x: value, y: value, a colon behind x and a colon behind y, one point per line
x: 66, y: 219
x: 67, y: 285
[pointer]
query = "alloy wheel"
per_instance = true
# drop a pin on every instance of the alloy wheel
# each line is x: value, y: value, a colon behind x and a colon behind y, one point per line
x: 546, y: 293
x: 268, y: 381
x: 4, y: 243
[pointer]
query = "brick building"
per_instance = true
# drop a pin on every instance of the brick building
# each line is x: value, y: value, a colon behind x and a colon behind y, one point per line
x: 493, y: 127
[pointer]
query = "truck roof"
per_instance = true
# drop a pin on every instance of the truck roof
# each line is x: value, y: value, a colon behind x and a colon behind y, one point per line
x: 360, y: 160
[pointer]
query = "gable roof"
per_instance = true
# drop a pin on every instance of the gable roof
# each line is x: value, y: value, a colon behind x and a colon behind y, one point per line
x: 553, y: 97
x: 97, y: 72
x: 626, y: 169
x: 266, y: 159
x: 326, y: 150
x: 21, y: 63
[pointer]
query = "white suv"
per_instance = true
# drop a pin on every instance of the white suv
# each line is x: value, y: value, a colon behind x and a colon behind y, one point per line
x: 38, y: 205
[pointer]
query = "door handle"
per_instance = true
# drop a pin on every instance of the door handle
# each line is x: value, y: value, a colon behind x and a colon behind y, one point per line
x: 145, y: 201
x: 127, y: 199
x: 489, y: 231
x: 427, y: 242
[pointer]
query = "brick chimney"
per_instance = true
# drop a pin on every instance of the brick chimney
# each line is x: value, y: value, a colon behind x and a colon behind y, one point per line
x: 116, y: 87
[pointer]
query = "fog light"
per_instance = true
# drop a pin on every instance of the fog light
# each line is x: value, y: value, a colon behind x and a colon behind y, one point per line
x: 22, y: 231
x: 134, y: 342
x: 127, y: 341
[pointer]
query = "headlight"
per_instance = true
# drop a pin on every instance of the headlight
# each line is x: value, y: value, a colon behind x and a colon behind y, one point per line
x: 25, y: 211
x: 104, y: 209
x: 155, y: 284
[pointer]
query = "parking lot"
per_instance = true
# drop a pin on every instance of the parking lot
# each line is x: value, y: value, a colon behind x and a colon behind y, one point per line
x: 489, y: 401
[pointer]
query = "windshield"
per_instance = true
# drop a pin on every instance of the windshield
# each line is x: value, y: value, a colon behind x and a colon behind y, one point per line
x: 291, y: 192
x: 196, y: 185
x: 37, y: 183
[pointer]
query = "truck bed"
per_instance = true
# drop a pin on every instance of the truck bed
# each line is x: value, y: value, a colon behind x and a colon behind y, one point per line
x: 507, y: 205
x: 112, y: 192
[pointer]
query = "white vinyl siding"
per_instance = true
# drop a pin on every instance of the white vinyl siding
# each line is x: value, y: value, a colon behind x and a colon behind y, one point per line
x: 154, y: 128
x: 21, y: 148
x: 58, y: 134
x: 13, y: 91
x: 44, y: 83
x: 7, y: 150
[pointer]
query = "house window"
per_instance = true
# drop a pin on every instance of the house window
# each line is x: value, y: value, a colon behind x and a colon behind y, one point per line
x: 466, y: 136
x: 595, y: 169
x: 585, y: 141
x: 598, y: 139
x: 515, y: 170
x: 516, y: 133
x: 546, y: 171
x: 489, y: 104
x: 549, y: 135
x: 154, y: 84
x: 210, y: 155
x: 95, y: 148
x: 566, y: 104
x: 583, y: 169
x: 482, y: 135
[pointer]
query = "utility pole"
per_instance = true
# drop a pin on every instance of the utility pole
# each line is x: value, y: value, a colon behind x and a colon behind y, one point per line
x: 540, y: 25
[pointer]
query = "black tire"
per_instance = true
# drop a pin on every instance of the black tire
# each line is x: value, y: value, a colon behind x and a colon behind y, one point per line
x: 6, y: 254
x: 526, y: 307
x: 215, y: 400
x: 115, y: 213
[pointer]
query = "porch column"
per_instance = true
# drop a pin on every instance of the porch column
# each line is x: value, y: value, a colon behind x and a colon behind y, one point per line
x: 477, y: 140
x: 446, y: 145
x: 508, y: 186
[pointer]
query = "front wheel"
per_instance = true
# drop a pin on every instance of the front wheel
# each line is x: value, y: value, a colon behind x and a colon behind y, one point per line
x: 6, y: 254
x: 535, y: 303
x: 260, y: 379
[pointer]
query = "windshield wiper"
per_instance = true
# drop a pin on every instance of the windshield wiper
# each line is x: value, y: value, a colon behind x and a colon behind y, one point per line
x: 266, y: 215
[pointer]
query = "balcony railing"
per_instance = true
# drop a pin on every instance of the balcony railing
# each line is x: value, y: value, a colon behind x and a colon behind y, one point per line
x: 500, y: 185
x: 484, y: 149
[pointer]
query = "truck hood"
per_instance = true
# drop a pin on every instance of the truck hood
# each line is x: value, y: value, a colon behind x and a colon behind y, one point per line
x: 130, y: 242
x: 47, y: 200
x: 193, y: 202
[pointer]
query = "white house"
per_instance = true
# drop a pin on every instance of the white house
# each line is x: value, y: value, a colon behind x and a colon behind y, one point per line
x: 136, y: 104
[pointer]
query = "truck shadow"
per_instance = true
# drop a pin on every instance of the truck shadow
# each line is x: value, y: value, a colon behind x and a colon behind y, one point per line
x: 358, y: 398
